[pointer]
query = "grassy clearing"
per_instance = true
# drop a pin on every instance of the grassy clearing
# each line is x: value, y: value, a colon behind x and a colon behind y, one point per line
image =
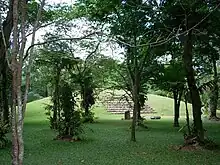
x: 108, y: 143
x: 164, y: 106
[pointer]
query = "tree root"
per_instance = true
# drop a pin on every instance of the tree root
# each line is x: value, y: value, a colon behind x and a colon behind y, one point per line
x: 68, y: 138
x: 141, y: 124
x: 214, y: 118
x: 193, y: 143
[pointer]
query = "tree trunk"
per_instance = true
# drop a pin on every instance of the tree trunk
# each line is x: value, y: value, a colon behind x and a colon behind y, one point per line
x: 14, y: 65
x: 6, y: 29
x: 213, y: 101
x: 56, y: 110
x: 135, y: 110
x: 84, y: 99
x: 30, y: 59
x: 187, y: 114
x: 176, y: 108
x: 46, y: 91
x: 15, y: 145
x: 135, y: 95
x: 20, y: 116
x: 4, y: 88
x: 139, y: 111
x: 1, y: 95
x: 21, y: 106
x: 194, y: 93
x: 86, y: 110
x: 177, y: 94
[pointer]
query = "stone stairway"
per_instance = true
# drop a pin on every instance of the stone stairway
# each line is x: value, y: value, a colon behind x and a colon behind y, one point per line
x: 118, y: 106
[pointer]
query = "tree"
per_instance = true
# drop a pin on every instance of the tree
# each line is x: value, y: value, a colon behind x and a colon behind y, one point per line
x: 207, y: 73
x: 18, y: 46
x: 188, y: 19
x: 130, y: 28
x: 173, y: 80
x: 57, y: 60
x: 84, y: 79
x: 6, y: 29
x: 69, y: 122
x: 214, y: 91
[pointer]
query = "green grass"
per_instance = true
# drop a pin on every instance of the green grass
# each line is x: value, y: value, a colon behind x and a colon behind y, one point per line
x: 109, y: 142
x: 164, y: 106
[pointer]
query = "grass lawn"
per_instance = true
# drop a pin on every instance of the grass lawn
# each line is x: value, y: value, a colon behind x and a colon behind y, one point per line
x: 108, y: 143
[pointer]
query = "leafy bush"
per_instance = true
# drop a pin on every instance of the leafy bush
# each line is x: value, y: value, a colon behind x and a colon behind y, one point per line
x: 69, y: 121
x: 88, y: 99
x: 49, y: 110
x: 4, y: 129
x: 33, y: 96
x: 88, y: 118
x: 72, y: 127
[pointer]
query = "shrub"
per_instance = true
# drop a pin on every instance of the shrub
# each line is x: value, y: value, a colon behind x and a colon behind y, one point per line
x: 33, y: 96
x: 49, y: 110
x: 69, y: 121
x: 88, y: 118
x: 72, y: 127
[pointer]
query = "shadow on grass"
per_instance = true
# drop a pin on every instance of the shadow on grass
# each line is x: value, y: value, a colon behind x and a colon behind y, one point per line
x: 109, y: 144
x: 159, y: 127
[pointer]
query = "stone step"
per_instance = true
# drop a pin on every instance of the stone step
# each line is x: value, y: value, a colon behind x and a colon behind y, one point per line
x: 118, y: 112
x: 124, y: 110
x: 117, y: 106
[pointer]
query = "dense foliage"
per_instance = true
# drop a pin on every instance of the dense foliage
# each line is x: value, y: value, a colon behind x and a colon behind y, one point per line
x: 4, y: 129
x: 69, y: 123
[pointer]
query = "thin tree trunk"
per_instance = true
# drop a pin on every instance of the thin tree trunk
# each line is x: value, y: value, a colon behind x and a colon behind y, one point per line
x: 135, y: 110
x: 1, y: 96
x: 30, y: 59
x: 135, y: 95
x: 4, y: 86
x: 135, y: 81
x: 20, y: 122
x: 6, y: 28
x: 86, y: 111
x: 213, y: 101
x: 15, y: 146
x: 46, y: 91
x: 194, y: 93
x: 139, y: 112
x: 56, y: 110
x: 187, y: 115
x: 15, y: 143
x: 176, y: 109
x: 177, y: 100
x: 85, y: 104
x: 84, y: 99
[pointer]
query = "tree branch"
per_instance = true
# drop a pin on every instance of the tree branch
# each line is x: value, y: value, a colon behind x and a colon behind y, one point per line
x: 59, y: 39
x: 158, y: 43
